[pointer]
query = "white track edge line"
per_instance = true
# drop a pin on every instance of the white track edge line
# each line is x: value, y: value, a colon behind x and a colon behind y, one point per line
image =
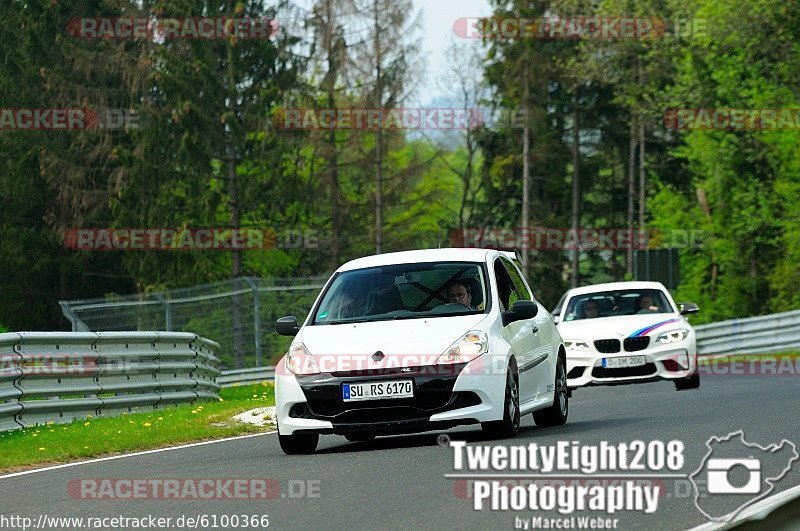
x: 770, y: 503
x: 122, y: 456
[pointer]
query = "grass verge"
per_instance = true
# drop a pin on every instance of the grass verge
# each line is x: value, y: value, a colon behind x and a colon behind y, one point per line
x: 95, y: 437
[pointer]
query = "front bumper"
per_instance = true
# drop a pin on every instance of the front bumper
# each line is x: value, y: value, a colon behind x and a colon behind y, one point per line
x: 668, y: 362
x: 444, y: 397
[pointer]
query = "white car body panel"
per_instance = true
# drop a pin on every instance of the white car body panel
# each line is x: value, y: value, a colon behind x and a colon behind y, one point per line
x: 534, y: 344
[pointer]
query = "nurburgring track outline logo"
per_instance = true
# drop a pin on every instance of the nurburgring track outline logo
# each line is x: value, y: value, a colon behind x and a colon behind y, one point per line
x: 760, y: 483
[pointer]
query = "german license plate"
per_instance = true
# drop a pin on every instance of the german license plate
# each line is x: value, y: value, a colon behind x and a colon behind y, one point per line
x: 623, y: 361
x: 377, y: 390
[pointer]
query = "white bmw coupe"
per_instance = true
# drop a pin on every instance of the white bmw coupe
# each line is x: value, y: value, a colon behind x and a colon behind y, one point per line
x: 627, y: 332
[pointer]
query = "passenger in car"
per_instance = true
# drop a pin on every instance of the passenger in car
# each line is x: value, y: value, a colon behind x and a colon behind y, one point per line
x: 646, y: 305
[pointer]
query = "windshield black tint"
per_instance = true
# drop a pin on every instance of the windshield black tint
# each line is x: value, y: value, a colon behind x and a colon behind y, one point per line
x: 615, y: 303
x: 404, y: 291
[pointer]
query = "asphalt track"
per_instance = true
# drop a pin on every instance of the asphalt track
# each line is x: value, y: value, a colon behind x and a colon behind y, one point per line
x: 399, y: 482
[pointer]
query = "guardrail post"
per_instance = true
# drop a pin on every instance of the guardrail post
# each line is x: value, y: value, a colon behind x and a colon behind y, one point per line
x: 77, y: 324
x: 167, y: 311
x: 256, y: 319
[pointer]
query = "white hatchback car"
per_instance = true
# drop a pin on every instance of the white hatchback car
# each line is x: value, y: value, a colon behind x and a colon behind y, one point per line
x: 417, y: 341
x: 627, y: 332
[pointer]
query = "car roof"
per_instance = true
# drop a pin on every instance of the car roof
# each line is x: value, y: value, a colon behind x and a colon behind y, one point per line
x: 614, y: 286
x: 420, y: 256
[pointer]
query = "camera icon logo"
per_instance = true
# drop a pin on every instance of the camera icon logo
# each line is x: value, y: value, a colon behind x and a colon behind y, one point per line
x: 735, y: 474
x: 719, y: 476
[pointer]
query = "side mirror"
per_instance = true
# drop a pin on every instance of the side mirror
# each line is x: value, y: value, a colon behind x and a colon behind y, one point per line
x: 287, y: 326
x: 520, y: 311
x: 685, y: 308
x: 556, y: 318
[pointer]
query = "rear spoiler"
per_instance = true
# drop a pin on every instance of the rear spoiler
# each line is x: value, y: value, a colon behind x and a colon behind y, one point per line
x: 514, y: 256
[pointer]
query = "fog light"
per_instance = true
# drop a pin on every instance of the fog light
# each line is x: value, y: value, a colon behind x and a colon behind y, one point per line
x: 298, y: 411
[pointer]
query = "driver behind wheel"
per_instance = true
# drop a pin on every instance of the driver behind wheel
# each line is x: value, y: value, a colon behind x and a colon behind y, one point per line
x: 457, y: 292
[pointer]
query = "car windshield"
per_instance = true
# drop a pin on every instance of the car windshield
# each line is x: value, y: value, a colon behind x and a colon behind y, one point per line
x: 403, y: 291
x: 615, y: 303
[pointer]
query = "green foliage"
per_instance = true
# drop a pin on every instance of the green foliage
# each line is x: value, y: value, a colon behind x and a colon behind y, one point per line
x: 142, y: 430
x: 204, y: 103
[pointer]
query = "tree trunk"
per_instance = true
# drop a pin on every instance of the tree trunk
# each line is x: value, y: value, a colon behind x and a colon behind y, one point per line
x: 631, y: 191
x: 233, y: 203
x: 379, y: 195
x: 332, y: 148
x: 379, y: 139
x: 642, y: 178
x: 576, y: 197
x: 703, y: 200
x: 526, y: 170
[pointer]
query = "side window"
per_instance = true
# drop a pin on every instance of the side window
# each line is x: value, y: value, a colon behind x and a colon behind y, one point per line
x: 505, y: 290
x: 519, y: 284
x: 560, y: 305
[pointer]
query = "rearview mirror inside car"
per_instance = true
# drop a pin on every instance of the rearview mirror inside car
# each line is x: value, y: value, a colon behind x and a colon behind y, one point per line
x: 287, y: 326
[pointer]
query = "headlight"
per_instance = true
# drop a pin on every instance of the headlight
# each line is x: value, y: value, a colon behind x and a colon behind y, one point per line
x: 467, y: 348
x: 300, y: 361
x: 672, y: 337
x: 575, y: 344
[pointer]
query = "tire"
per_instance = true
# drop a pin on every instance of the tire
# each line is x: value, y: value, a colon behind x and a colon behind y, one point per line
x: 301, y: 443
x: 509, y: 426
x: 359, y: 436
x: 692, y: 382
x: 556, y: 415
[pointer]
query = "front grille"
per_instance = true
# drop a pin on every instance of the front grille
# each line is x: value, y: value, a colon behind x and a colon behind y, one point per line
x: 433, y: 393
x: 403, y: 413
x: 448, y: 369
x: 624, y: 372
x: 632, y: 344
x: 607, y: 346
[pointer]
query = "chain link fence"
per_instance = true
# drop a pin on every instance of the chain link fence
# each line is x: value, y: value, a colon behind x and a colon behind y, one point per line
x: 239, y: 314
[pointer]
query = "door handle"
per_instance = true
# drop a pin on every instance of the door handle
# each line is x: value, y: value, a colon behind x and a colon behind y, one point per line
x: 534, y: 329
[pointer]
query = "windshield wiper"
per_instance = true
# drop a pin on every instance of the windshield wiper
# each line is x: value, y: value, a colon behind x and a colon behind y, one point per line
x: 447, y: 314
x: 400, y: 317
x: 345, y: 321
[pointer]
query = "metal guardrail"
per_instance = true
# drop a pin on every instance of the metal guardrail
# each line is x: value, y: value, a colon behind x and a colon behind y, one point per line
x: 765, y: 334
x: 238, y: 313
x: 60, y: 376
x: 246, y: 376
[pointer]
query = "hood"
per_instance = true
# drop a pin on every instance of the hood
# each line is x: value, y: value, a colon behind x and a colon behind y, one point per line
x: 404, y: 343
x: 624, y: 326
